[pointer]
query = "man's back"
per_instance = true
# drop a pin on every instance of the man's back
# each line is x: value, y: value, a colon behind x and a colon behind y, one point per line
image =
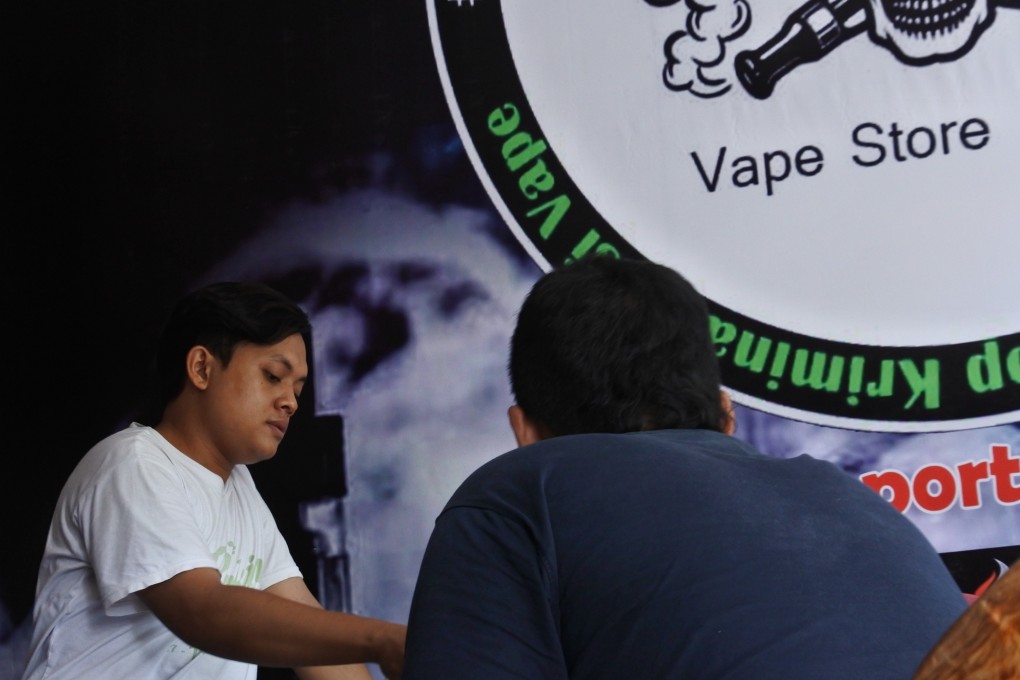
x: 673, y: 554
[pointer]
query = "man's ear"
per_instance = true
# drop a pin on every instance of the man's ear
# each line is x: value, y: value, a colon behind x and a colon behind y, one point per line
x: 198, y: 365
x: 729, y: 424
x: 526, y: 430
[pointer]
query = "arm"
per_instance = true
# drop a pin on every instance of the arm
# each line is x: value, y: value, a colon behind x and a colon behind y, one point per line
x: 276, y: 627
x: 349, y: 672
x: 485, y: 604
x: 296, y: 589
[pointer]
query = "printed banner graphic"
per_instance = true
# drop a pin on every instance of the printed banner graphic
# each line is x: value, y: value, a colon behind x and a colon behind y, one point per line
x: 838, y: 177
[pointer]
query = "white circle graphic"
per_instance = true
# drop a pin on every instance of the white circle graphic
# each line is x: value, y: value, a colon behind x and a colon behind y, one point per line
x: 843, y: 191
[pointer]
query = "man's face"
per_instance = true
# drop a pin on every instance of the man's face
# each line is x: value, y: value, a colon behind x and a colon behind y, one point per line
x: 253, y: 397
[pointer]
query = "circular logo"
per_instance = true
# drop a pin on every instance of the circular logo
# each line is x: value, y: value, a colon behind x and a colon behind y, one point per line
x: 837, y: 177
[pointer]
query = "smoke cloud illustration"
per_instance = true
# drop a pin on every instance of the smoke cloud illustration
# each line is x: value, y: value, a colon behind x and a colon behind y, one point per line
x: 696, y: 56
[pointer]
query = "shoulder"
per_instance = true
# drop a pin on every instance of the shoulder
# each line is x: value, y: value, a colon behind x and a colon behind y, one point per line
x: 565, y: 460
x: 128, y: 453
x: 122, y: 465
x: 567, y: 452
x: 121, y: 446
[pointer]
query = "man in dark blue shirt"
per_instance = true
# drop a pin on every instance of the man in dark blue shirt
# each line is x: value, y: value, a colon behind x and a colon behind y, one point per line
x: 630, y: 536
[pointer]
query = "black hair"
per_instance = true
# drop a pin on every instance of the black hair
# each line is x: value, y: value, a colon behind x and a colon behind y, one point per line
x: 220, y: 316
x: 615, y: 345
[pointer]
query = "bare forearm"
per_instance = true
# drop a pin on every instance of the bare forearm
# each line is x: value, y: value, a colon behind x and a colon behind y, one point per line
x: 284, y: 627
x: 352, y: 672
x: 281, y: 632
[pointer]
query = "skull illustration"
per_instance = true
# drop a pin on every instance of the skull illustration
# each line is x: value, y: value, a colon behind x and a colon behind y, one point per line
x: 929, y: 30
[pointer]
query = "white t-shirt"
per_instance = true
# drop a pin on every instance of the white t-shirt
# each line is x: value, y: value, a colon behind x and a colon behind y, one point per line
x: 135, y: 512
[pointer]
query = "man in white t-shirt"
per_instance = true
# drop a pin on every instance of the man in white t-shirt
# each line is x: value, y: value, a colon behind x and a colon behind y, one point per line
x: 162, y: 559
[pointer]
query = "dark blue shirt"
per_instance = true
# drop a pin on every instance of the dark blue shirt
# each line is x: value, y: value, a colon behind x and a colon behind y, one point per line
x: 673, y: 554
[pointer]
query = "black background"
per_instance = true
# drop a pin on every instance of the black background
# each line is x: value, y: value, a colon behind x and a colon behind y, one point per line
x: 146, y: 139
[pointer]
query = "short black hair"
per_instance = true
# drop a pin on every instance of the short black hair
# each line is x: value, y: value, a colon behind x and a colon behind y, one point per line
x: 219, y: 316
x: 606, y: 344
